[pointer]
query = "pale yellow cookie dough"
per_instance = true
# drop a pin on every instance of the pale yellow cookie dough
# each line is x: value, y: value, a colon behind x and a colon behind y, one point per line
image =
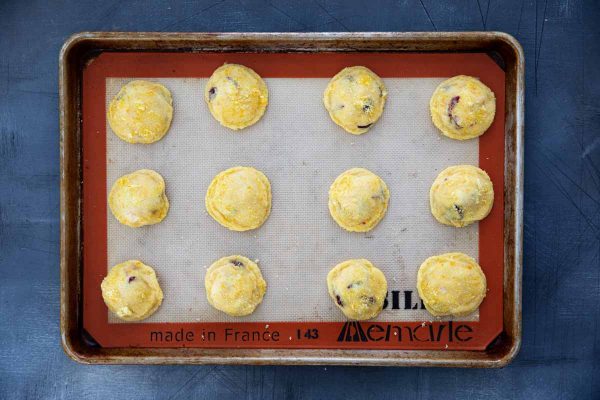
x: 236, y: 96
x: 355, y: 99
x: 462, y: 107
x: 461, y: 195
x: 141, y: 112
x: 131, y: 291
x: 451, y: 284
x: 234, y: 285
x: 358, y: 288
x: 358, y: 200
x: 139, y: 198
x: 239, y: 198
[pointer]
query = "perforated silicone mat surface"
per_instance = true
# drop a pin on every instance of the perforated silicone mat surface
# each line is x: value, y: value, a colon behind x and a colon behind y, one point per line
x: 307, y: 243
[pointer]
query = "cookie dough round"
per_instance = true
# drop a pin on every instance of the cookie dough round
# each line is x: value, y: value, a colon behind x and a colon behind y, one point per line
x: 461, y: 195
x: 451, y: 284
x: 355, y: 99
x: 234, y: 285
x: 239, y: 198
x: 358, y: 288
x: 131, y: 291
x: 358, y: 200
x: 141, y: 112
x: 462, y: 107
x: 139, y: 198
x: 236, y: 96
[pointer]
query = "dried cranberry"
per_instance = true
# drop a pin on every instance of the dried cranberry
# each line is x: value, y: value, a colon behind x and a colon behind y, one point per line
x: 459, y: 210
x: 453, y: 102
x: 212, y: 93
x: 131, y: 279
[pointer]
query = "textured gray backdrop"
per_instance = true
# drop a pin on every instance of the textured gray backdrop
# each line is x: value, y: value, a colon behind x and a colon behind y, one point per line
x: 560, y: 356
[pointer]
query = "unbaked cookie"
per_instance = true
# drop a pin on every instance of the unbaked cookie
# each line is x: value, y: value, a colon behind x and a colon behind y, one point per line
x: 141, y: 112
x: 451, y: 284
x: 234, y: 285
x: 462, y: 107
x: 358, y: 200
x: 139, y: 198
x: 236, y: 96
x: 131, y: 291
x: 461, y: 195
x: 358, y: 288
x: 239, y: 198
x: 355, y: 98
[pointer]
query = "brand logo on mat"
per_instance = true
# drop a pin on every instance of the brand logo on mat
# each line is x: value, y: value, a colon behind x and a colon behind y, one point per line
x: 402, y: 300
x: 354, y: 331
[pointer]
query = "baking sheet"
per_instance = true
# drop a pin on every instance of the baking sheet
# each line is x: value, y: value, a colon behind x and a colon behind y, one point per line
x: 301, y: 151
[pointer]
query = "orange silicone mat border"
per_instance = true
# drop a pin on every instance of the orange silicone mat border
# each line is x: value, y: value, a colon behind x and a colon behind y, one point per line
x: 365, y: 335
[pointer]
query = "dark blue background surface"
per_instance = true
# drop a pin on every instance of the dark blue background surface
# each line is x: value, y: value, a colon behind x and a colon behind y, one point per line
x: 560, y: 355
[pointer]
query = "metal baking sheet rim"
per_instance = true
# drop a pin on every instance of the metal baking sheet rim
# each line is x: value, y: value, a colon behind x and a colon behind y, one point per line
x: 83, y: 46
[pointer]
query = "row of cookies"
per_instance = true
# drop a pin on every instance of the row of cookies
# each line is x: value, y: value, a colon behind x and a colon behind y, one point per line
x: 461, y: 107
x: 449, y: 284
x: 239, y: 198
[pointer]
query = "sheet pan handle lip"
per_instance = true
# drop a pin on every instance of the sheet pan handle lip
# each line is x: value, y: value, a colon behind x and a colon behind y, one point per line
x: 80, y: 38
x: 374, y: 360
x: 516, y: 340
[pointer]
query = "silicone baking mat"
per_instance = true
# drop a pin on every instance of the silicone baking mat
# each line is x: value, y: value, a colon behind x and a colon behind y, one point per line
x: 301, y: 151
